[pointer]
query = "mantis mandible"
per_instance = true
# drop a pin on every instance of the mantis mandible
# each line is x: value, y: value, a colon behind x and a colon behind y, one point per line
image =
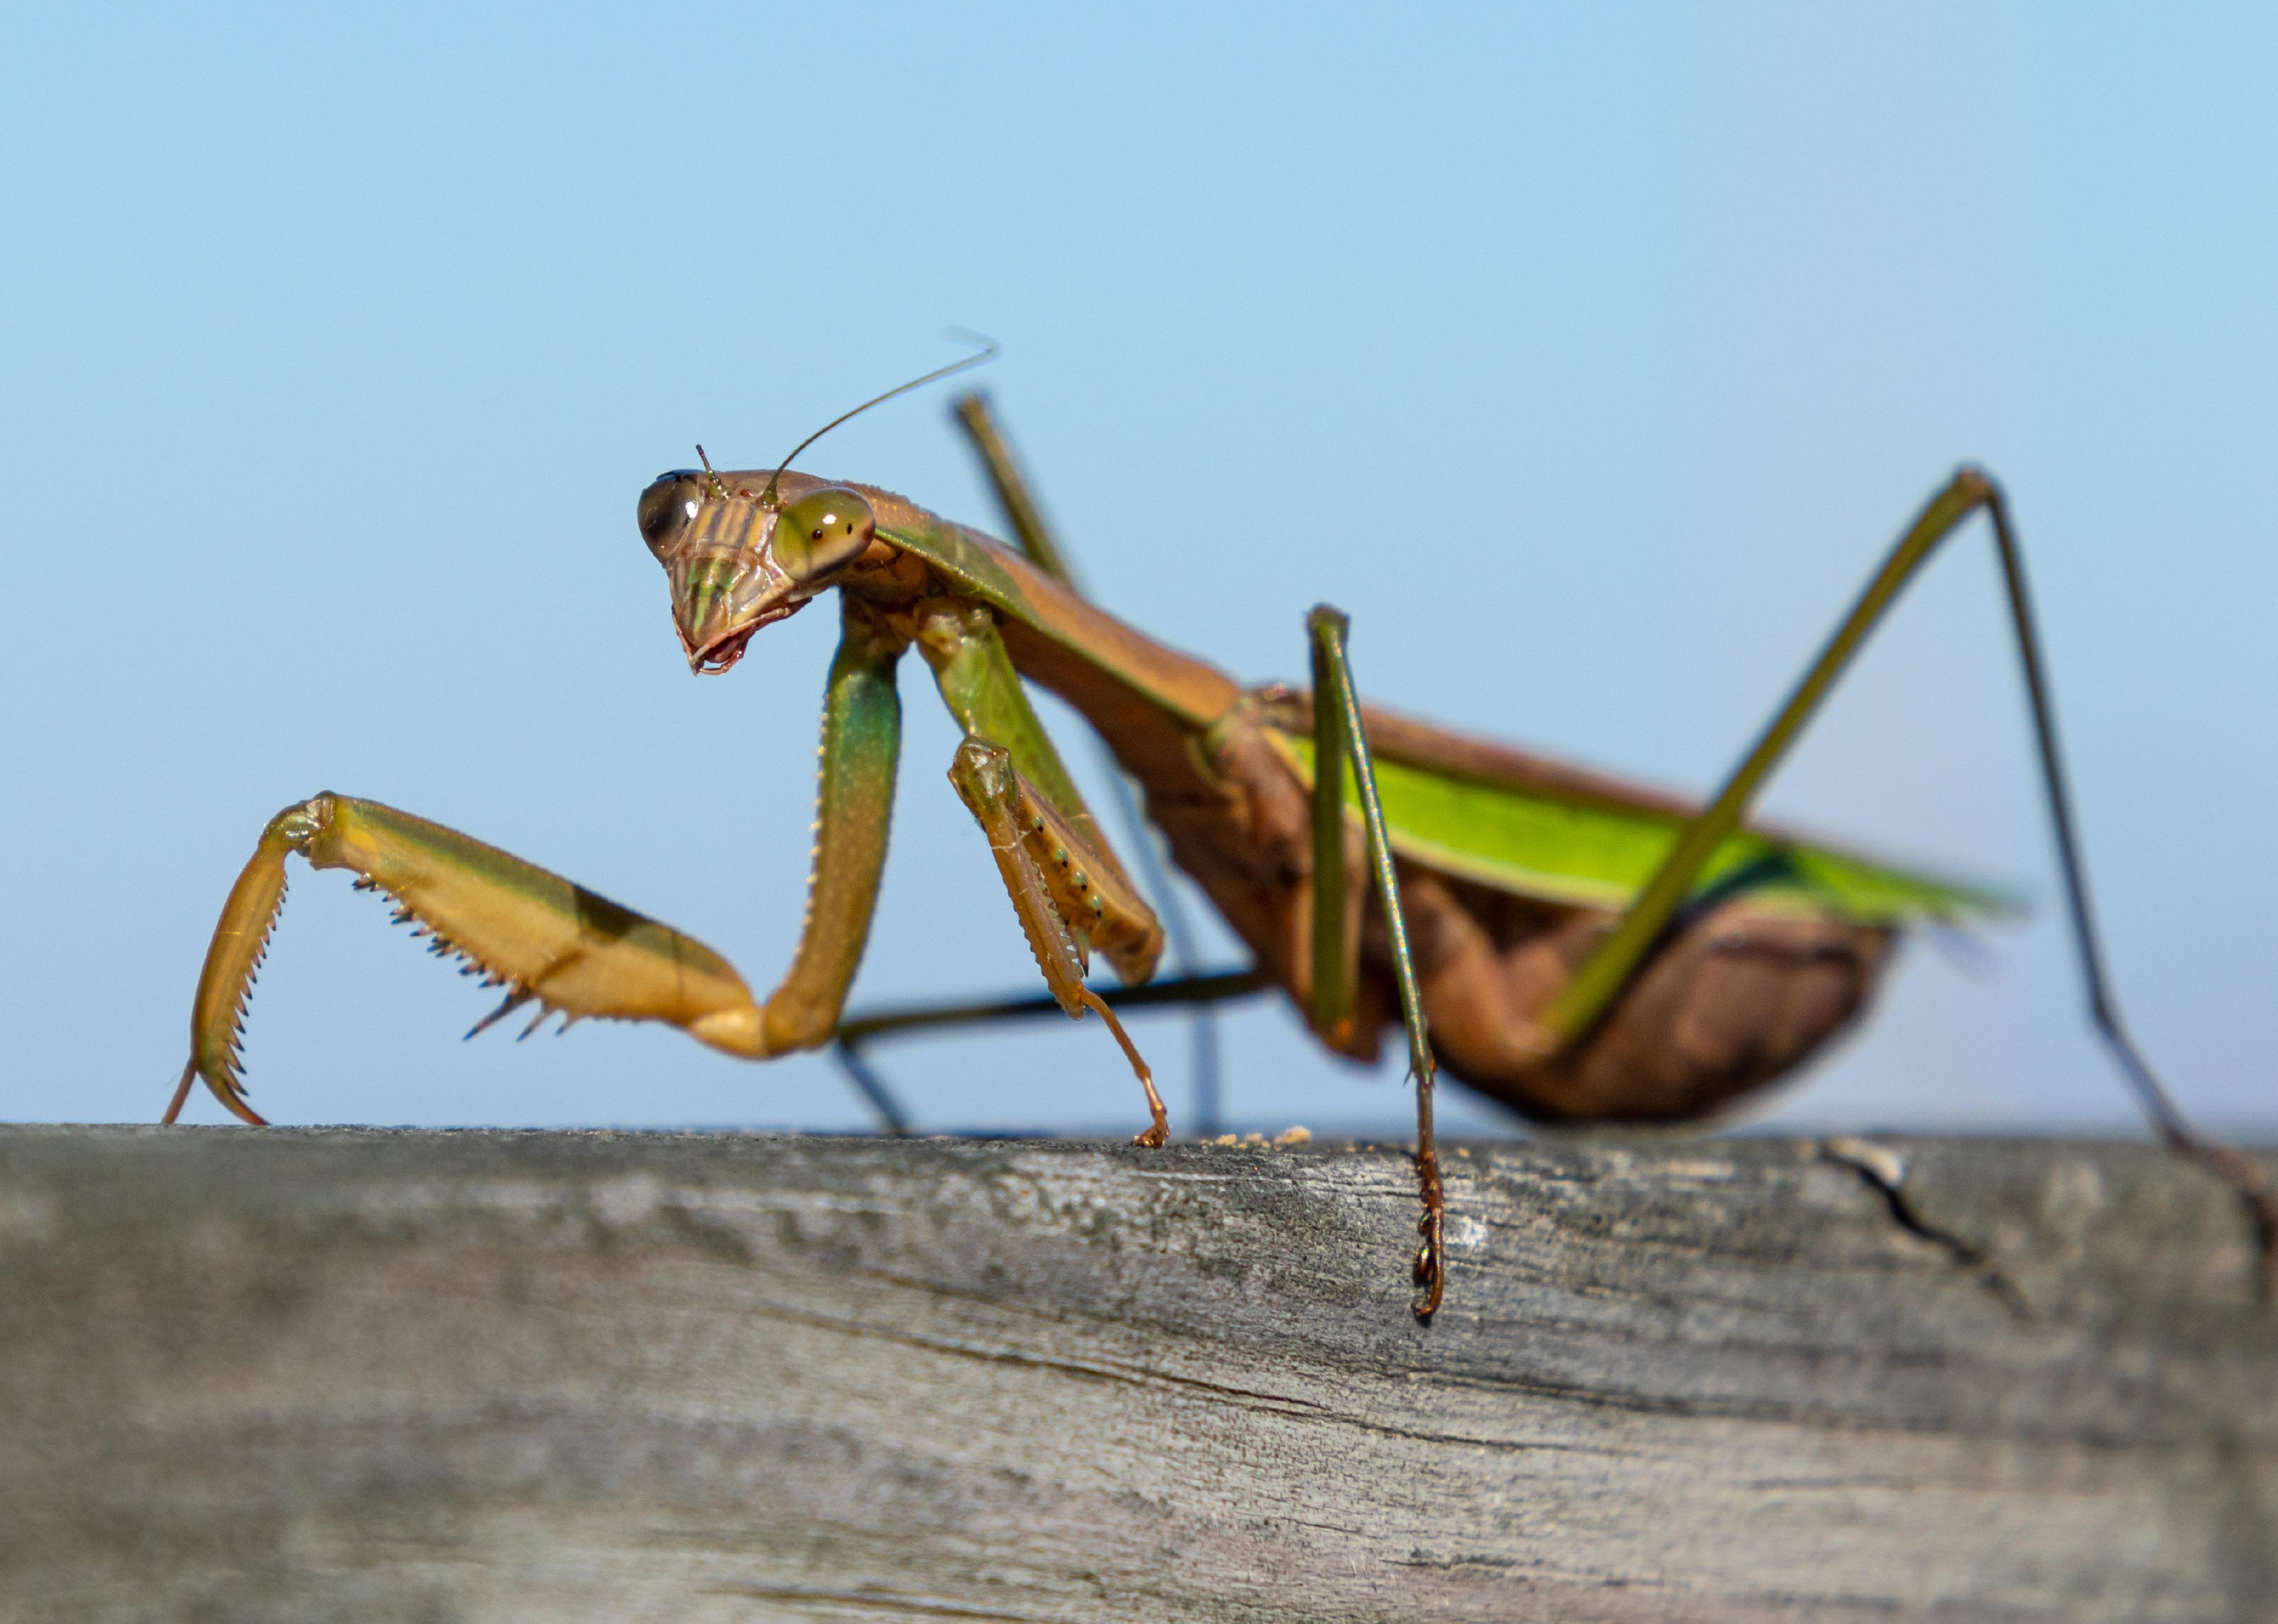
x: 1578, y: 947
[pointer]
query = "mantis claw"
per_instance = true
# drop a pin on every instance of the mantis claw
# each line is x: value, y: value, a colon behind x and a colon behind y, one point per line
x: 236, y: 1103
x: 239, y: 941
x: 535, y: 933
x: 513, y: 1002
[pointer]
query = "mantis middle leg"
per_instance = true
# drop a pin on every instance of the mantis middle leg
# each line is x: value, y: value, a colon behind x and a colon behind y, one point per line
x: 1340, y: 744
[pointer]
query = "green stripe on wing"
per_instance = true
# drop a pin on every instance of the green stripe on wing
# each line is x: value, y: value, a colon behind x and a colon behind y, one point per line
x: 1572, y: 849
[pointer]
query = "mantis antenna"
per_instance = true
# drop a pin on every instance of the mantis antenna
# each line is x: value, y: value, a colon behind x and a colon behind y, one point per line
x: 989, y: 348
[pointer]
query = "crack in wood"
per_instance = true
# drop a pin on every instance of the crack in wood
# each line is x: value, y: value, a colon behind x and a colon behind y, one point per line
x: 1884, y: 1172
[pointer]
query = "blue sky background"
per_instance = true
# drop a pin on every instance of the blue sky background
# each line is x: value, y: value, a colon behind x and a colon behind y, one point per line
x: 337, y: 349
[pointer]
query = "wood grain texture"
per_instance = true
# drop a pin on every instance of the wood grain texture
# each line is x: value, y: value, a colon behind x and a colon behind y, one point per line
x: 318, y: 1375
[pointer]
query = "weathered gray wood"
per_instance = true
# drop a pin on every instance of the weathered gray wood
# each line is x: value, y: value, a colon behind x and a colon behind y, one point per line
x: 331, y: 1375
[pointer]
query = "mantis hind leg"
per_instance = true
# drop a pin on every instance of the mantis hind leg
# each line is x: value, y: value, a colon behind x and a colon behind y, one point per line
x: 1339, y: 744
x: 544, y: 938
x: 1612, y: 969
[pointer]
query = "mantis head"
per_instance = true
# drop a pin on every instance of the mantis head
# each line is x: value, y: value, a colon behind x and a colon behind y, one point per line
x: 737, y: 562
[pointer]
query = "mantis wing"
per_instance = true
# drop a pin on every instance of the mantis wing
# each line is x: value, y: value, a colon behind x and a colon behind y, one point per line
x: 1597, y: 847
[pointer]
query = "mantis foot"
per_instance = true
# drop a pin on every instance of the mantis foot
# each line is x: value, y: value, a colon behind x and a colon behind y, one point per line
x: 1432, y: 1253
x: 2247, y: 1177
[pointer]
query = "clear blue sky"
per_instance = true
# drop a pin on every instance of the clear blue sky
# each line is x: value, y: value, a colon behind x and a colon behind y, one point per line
x: 338, y: 348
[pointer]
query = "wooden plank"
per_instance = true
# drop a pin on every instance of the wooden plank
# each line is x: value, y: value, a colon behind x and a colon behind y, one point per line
x: 323, y: 1375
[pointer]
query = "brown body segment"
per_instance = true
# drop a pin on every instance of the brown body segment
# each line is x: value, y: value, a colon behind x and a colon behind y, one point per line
x: 1737, y: 994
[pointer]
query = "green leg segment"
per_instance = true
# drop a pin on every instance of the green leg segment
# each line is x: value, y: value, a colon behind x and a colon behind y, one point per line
x: 1607, y: 973
x: 1338, y: 739
x: 1035, y: 537
x: 1335, y: 942
x: 861, y: 747
x: 982, y: 690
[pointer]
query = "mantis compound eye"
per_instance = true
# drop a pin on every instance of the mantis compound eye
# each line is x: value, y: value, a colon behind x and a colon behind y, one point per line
x: 821, y: 533
x: 670, y: 501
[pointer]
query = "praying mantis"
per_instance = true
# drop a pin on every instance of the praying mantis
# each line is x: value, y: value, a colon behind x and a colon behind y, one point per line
x: 1578, y: 947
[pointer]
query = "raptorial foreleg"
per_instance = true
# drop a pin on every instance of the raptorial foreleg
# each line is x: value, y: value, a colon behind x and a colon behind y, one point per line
x: 1067, y: 899
x: 547, y: 940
